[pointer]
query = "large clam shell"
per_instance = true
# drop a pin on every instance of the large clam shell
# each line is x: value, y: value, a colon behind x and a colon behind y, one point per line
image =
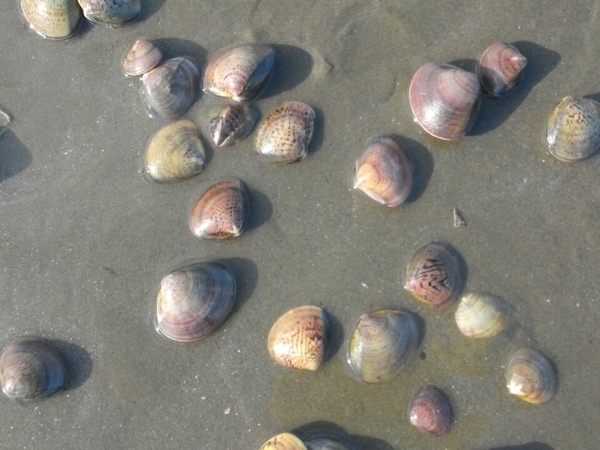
x: 500, y: 68
x: 233, y: 124
x: 284, y: 135
x: 171, y: 88
x: 482, y: 315
x: 444, y: 100
x: 221, y: 211
x: 175, y: 153
x: 430, y: 411
x: 141, y: 57
x: 239, y: 72
x: 299, y: 338
x: 381, y: 343
x: 324, y: 443
x: 30, y: 369
x: 194, y: 301
x: 283, y: 441
x: 52, y: 19
x: 573, y: 131
x: 110, y: 12
x: 434, y: 274
x: 384, y: 172
x: 530, y: 376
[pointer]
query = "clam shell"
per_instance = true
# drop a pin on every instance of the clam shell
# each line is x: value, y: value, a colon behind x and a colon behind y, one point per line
x: 325, y: 443
x: 175, y: 153
x: 239, y: 72
x: 430, y: 411
x: 233, y: 124
x: 30, y: 370
x: 194, y: 301
x: 434, y: 274
x: 141, y: 57
x: 381, y: 343
x: 384, y: 172
x: 221, y: 211
x: 284, y: 135
x: 52, y: 19
x: 573, y: 131
x: 500, y: 68
x: 283, y: 441
x: 482, y: 315
x: 111, y: 12
x: 444, y: 100
x: 171, y: 88
x: 530, y: 376
x: 299, y: 338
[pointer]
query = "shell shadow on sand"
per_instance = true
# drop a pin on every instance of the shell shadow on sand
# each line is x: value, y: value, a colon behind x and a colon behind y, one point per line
x: 78, y: 362
x: 14, y: 157
x: 323, y: 429
x: 422, y: 162
x: 292, y: 66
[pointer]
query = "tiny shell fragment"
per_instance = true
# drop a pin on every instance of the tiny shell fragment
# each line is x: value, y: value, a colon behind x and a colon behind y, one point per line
x: 459, y: 219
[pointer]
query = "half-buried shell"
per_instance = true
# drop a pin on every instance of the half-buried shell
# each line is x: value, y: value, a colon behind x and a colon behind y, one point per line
x: 233, y: 124
x: 141, y: 57
x: 283, y: 441
x: 111, y: 12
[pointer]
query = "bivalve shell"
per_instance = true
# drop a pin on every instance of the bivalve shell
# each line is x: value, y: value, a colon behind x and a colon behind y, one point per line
x: 430, y: 411
x: 141, y: 57
x: 283, y: 441
x: 233, y: 124
x: 52, y: 19
x: 500, y: 68
x: 482, y: 315
x: 111, y: 12
x: 530, y: 376
x: 324, y: 443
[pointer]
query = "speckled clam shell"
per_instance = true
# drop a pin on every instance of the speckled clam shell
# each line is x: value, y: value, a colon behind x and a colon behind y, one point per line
x: 325, y: 443
x: 239, y: 72
x: 141, y: 57
x: 52, y: 19
x: 194, y: 301
x: 111, y: 12
x: 175, y: 153
x: 381, y: 343
x: 284, y: 135
x: 530, y: 376
x: 384, y: 172
x: 444, y: 100
x: 482, y: 315
x: 170, y: 89
x: 573, y: 131
x: 430, y: 411
x: 221, y: 211
x: 434, y: 274
x: 283, y: 441
x: 30, y: 369
x: 299, y: 338
x: 500, y: 68
x: 234, y: 123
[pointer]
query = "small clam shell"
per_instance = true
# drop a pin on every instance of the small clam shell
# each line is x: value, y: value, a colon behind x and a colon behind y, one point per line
x: 500, y: 68
x: 482, y: 315
x: 283, y: 441
x: 233, y: 124
x: 141, y: 57
x: 325, y: 443
x: 284, y: 135
x: 384, y: 172
x: 171, y: 88
x: 221, y: 211
x: 52, y: 19
x: 194, y: 301
x: 530, y: 376
x: 175, y: 153
x: 430, y: 411
x: 444, y: 100
x: 382, y: 341
x: 573, y: 131
x: 111, y: 12
x: 239, y: 72
x: 299, y: 338
x: 30, y: 370
x: 434, y: 274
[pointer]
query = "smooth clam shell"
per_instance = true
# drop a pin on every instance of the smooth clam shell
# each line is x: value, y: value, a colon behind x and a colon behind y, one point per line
x: 384, y: 172
x: 141, y: 57
x: 434, y: 274
x: 284, y: 135
x: 52, y: 19
x: 283, y: 441
x: 530, y: 376
x: 171, y: 88
x: 194, y: 301
x: 381, y: 343
x: 175, y: 153
x: 324, y: 443
x: 444, y: 100
x: 239, y: 72
x: 221, y: 211
x: 430, y: 411
x: 573, y: 131
x: 110, y: 12
x: 233, y: 124
x: 30, y: 370
x: 500, y: 68
x: 482, y: 315
x: 299, y: 338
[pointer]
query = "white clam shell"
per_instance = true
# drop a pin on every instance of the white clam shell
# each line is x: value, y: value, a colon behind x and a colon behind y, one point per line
x: 482, y: 315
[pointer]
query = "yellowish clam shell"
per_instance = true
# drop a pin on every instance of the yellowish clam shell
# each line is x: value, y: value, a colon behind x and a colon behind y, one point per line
x: 52, y: 19
x: 283, y: 441
x: 482, y: 315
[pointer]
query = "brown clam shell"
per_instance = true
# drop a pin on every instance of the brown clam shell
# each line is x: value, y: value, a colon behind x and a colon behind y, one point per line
x: 110, y: 12
x: 283, y: 441
x: 141, y: 57
x: 531, y: 376
x: 430, y: 411
x: 444, y: 100
x: 52, y: 19
x: 500, y: 68
x: 233, y: 124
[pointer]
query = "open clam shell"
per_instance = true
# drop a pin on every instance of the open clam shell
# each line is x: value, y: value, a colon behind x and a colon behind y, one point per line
x: 52, y: 19
x: 500, y: 68
x: 430, y: 411
x: 111, y: 12
x: 530, y: 376
x: 482, y: 315
x: 141, y: 57
x: 194, y: 301
x: 283, y: 441
x: 233, y: 124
